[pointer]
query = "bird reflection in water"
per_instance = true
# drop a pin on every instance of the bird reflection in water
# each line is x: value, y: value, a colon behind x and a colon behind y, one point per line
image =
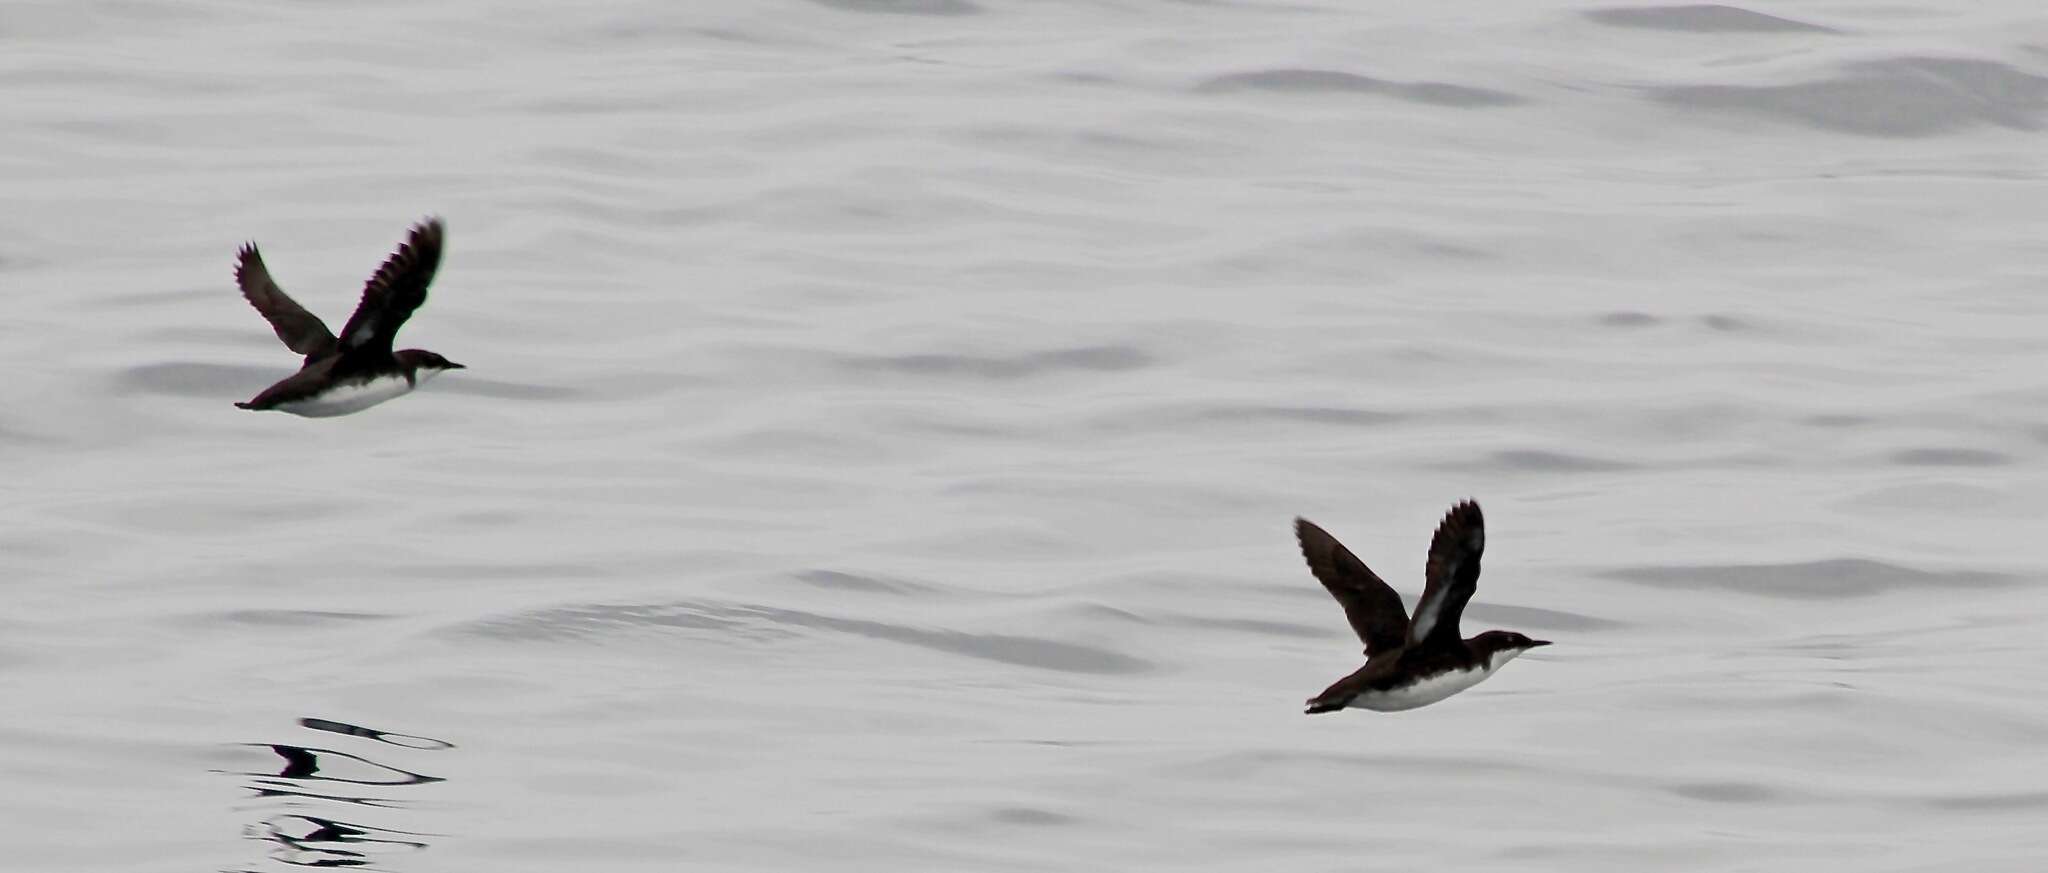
x: 311, y: 841
x: 310, y: 779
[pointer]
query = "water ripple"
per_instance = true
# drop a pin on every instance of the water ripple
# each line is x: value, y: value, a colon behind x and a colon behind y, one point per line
x: 904, y: 7
x: 1095, y: 359
x: 1943, y: 457
x: 1725, y: 792
x: 770, y: 623
x: 2013, y: 800
x: 1297, y: 81
x: 223, y: 382
x: 1810, y: 580
x: 1701, y: 18
x: 1544, y: 461
x: 1894, y: 97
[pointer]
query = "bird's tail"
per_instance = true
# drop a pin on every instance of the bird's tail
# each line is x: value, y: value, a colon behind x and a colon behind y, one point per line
x: 1323, y: 704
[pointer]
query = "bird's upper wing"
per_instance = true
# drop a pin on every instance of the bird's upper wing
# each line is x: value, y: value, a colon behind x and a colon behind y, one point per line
x: 1453, y: 573
x: 302, y: 331
x: 398, y: 288
x: 1371, y: 605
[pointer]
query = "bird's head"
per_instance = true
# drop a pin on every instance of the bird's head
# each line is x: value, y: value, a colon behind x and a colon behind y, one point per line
x: 425, y: 364
x: 1500, y: 646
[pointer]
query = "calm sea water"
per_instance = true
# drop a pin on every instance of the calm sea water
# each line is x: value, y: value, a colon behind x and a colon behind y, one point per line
x: 885, y: 419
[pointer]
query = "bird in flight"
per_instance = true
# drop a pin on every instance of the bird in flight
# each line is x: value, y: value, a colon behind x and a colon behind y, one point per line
x: 358, y: 369
x: 1410, y: 662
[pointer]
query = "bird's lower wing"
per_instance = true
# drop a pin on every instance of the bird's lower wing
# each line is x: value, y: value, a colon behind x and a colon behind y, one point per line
x: 1370, y: 604
x: 301, y: 331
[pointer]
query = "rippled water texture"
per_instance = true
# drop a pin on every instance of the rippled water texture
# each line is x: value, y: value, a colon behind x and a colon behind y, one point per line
x: 885, y: 419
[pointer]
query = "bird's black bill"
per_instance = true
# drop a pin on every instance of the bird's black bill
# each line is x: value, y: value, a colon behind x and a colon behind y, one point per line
x: 1534, y: 644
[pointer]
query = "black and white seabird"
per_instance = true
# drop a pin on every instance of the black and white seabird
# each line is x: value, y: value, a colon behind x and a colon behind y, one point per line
x: 1411, y: 663
x: 358, y: 370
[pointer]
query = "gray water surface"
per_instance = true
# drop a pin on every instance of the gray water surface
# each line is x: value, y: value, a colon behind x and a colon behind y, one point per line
x: 885, y: 419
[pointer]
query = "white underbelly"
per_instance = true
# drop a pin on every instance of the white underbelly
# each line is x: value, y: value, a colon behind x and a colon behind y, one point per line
x: 351, y: 397
x: 1421, y: 693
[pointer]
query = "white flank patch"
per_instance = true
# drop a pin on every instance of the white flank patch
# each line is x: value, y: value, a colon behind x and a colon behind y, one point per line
x: 1422, y: 693
x: 352, y: 397
x: 1433, y: 689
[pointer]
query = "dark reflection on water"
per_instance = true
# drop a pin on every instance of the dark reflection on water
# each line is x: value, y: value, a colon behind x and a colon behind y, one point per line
x: 311, y: 841
x: 308, y: 782
x: 298, y: 763
x: 409, y: 741
x: 313, y: 764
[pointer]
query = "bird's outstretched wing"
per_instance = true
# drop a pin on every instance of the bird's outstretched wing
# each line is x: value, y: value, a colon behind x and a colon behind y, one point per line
x: 1453, y: 573
x: 1374, y: 610
x: 398, y: 288
x: 302, y: 331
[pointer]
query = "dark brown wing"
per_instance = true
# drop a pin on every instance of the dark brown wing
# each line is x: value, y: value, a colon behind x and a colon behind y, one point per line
x: 398, y: 288
x: 1371, y: 605
x: 1376, y: 672
x: 1453, y: 574
x: 298, y: 386
x: 302, y: 331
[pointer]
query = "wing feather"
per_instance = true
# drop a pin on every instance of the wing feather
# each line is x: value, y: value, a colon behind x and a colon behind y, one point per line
x: 397, y: 288
x: 301, y: 331
x: 1370, y: 604
x: 1453, y: 573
